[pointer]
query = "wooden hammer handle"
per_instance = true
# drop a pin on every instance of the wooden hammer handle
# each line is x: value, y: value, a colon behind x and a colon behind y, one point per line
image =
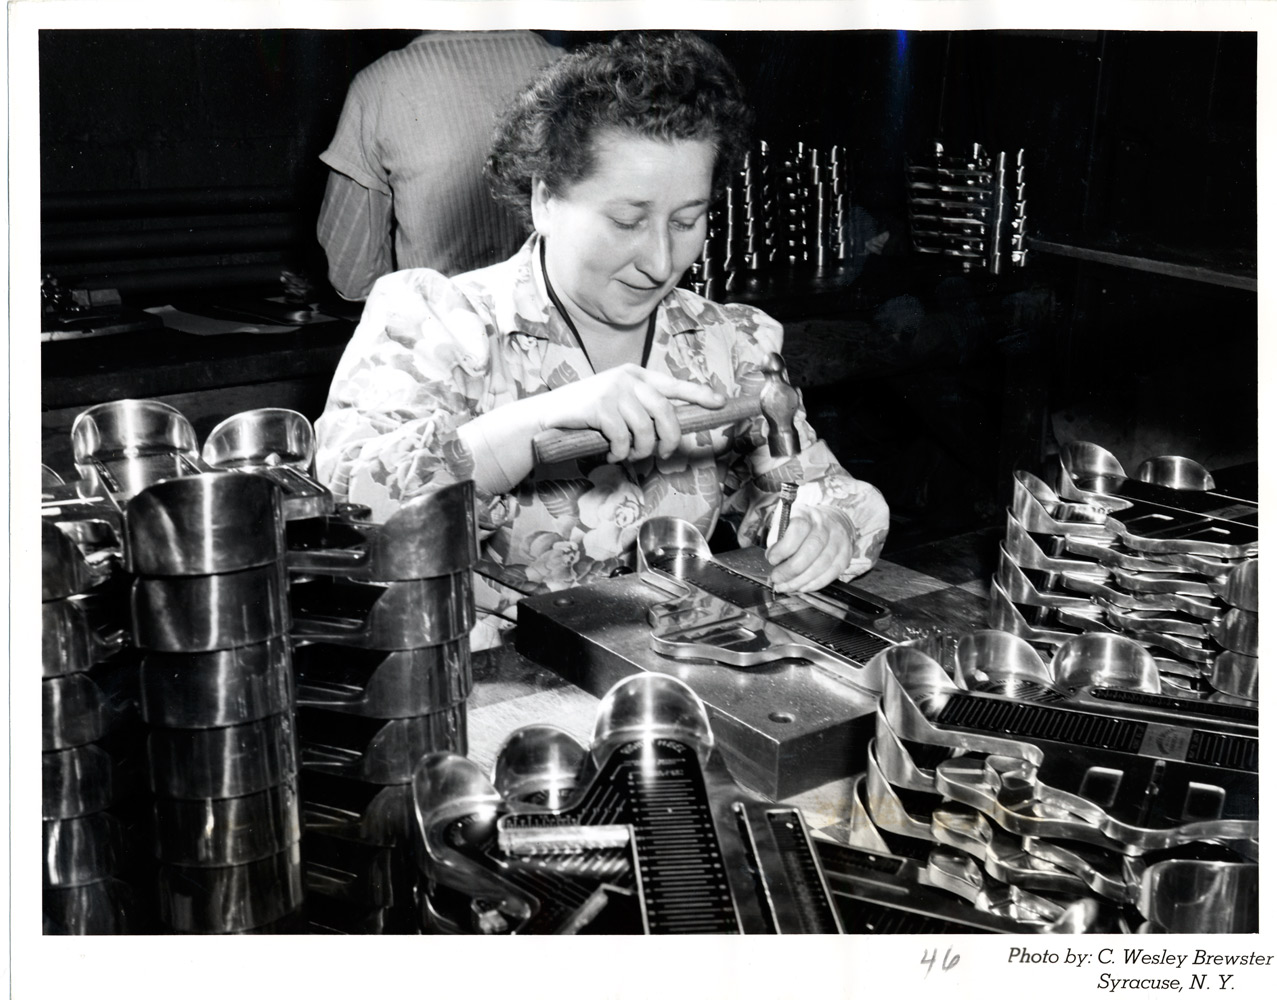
x: 556, y: 445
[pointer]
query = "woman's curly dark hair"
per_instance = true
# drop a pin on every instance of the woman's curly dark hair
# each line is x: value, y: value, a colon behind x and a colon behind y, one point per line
x: 660, y: 86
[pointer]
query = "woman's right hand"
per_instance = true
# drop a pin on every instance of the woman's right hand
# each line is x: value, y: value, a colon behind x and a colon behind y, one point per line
x: 630, y: 406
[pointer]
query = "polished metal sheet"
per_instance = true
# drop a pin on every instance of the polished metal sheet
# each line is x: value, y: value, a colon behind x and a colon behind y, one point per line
x: 125, y: 446
x: 993, y: 660
x: 907, y: 765
x: 65, y: 569
x: 1044, y: 552
x: 222, y: 763
x: 1169, y: 481
x: 1074, y: 770
x: 81, y: 850
x: 270, y: 435
x: 276, y: 444
x: 1128, y: 591
x: 1005, y: 856
x: 1040, y: 510
x: 217, y: 522
x: 358, y: 810
x: 1201, y: 897
x: 380, y: 751
x: 359, y: 875
x: 302, y: 496
x: 1148, y: 528
x: 1040, y: 625
x: 84, y: 708
x: 433, y: 534
x: 221, y: 688
x: 76, y: 781
x: 702, y: 628
x: 1142, y: 582
x: 904, y: 812
x: 230, y: 899
x: 878, y: 892
x: 1098, y: 659
x: 1111, y: 553
x: 198, y: 614
x: 69, y: 641
x: 1237, y: 676
x: 395, y: 684
x: 129, y: 427
x: 783, y: 728
x: 1238, y: 631
x: 1175, y: 472
x: 82, y: 501
x: 1042, y: 586
x: 1002, y: 856
x: 538, y: 763
x: 1108, y: 873
x: 108, y: 906
x: 1141, y: 526
x: 1238, y: 586
x: 231, y: 831
x: 407, y: 614
x: 1180, y: 657
x: 959, y: 872
x: 1038, y: 588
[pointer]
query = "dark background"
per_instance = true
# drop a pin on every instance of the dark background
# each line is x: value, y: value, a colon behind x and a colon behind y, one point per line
x: 931, y: 383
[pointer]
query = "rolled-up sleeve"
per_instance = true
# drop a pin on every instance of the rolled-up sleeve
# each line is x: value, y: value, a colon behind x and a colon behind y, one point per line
x: 754, y: 477
x: 354, y: 225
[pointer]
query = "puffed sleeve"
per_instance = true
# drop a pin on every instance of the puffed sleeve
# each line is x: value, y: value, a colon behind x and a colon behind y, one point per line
x: 415, y: 370
x: 754, y: 478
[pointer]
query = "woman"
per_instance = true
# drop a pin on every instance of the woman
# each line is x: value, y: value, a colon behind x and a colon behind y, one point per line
x: 614, y: 154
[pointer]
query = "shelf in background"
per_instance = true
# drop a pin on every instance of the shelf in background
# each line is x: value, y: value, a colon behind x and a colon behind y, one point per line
x: 163, y: 362
x: 1229, y: 268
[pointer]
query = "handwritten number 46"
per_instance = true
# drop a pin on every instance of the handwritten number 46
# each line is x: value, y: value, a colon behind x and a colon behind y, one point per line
x: 948, y: 962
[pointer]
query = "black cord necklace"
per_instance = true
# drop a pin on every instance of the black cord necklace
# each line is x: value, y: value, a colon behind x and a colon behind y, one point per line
x: 651, y: 320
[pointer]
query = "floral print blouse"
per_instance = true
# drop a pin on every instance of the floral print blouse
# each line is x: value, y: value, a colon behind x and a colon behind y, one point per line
x: 430, y: 353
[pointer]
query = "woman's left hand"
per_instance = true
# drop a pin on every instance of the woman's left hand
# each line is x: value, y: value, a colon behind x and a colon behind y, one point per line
x: 814, y: 550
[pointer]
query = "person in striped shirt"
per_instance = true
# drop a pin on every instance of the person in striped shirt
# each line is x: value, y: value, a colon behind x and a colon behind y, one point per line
x: 406, y: 184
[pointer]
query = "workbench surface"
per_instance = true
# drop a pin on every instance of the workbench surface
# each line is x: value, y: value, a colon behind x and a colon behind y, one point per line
x: 934, y: 588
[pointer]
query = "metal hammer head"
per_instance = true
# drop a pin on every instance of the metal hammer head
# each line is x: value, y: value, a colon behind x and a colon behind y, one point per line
x: 779, y: 403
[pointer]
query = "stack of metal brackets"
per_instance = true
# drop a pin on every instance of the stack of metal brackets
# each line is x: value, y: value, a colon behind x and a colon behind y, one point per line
x: 91, y: 736
x: 1025, y: 786
x: 785, y: 210
x: 1161, y: 557
x: 210, y: 612
x: 381, y: 616
x: 970, y: 207
x: 122, y: 447
x: 643, y: 832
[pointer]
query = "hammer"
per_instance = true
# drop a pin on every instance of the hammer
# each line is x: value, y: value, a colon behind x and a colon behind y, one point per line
x: 768, y: 393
